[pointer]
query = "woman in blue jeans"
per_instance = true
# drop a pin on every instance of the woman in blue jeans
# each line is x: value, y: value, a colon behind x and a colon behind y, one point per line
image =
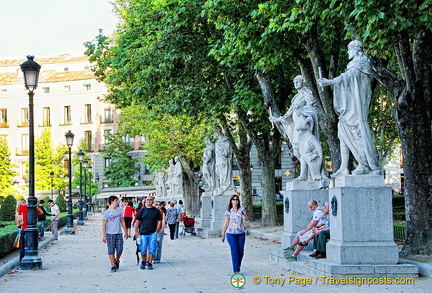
x: 235, y: 231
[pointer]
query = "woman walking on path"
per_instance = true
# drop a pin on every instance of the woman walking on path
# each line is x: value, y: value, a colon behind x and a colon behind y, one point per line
x: 235, y: 231
x: 172, y: 215
x: 128, y: 213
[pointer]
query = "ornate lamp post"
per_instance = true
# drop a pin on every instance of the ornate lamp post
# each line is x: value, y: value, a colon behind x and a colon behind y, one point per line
x: 31, y: 260
x: 85, y: 165
x: 89, y: 204
x: 52, y: 190
x: 80, y: 205
x: 69, y: 226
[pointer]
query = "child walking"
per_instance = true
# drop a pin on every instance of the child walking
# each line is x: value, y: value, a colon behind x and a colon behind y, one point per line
x: 112, y: 224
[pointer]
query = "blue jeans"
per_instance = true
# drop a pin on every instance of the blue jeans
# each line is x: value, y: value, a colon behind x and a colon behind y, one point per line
x: 148, y: 241
x: 42, y: 228
x: 236, y: 243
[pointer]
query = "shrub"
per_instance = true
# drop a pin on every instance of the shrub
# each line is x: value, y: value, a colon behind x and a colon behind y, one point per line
x: 60, y: 201
x: 46, y: 205
x: 7, y: 211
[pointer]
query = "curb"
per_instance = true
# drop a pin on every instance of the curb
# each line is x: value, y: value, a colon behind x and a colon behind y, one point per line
x: 424, y: 269
x: 10, y: 265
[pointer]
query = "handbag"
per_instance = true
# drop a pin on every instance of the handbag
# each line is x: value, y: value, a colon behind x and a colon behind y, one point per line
x: 246, y: 224
x: 17, y: 240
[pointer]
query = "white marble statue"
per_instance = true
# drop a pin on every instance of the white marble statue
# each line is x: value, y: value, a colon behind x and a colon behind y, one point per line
x: 209, y: 165
x: 177, y: 177
x: 352, y: 94
x: 170, y: 172
x: 160, y: 185
x: 223, y: 168
x: 300, y: 126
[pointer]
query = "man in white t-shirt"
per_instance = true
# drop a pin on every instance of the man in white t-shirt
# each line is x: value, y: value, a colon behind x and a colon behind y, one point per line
x: 301, y: 238
x: 55, y: 212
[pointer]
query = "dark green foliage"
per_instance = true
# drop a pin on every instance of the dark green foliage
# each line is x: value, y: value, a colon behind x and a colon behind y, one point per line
x: 7, y: 211
x: 46, y: 205
x: 60, y: 201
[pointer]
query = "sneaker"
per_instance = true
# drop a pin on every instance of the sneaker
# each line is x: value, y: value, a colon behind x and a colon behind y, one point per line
x: 142, y: 267
x: 292, y: 258
x: 150, y: 266
x: 117, y: 264
x: 113, y: 269
x: 289, y: 248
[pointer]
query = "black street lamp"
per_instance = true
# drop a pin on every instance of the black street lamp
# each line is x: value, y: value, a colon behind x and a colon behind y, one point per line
x: 85, y: 165
x: 52, y: 189
x: 31, y: 260
x: 80, y: 205
x: 69, y: 226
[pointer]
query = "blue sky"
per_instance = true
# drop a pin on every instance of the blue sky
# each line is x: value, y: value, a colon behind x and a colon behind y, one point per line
x: 47, y: 28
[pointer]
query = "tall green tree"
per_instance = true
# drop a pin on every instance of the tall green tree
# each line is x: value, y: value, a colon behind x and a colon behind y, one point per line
x: 122, y: 168
x: 48, y: 158
x: 168, y: 136
x: 6, y: 170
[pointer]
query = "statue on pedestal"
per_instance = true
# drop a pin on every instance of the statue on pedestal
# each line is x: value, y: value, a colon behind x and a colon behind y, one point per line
x: 300, y: 126
x: 352, y: 94
x: 209, y: 161
x: 177, y: 177
x: 223, y: 153
x: 160, y: 185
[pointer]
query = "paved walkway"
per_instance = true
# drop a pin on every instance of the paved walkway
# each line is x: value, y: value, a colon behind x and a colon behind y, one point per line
x: 79, y: 263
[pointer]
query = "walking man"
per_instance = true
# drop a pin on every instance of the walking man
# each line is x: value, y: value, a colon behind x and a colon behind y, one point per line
x: 42, y: 218
x: 55, y: 212
x: 149, y: 221
x: 112, y: 224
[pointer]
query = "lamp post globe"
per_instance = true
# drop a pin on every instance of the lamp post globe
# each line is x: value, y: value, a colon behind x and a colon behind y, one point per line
x: 31, y: 259
x: 69, y: 224
x: 80, y: 221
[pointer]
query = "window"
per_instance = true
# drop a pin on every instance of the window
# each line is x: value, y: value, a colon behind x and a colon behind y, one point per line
x: 88, y: 140
x: 66, y: 69
x: 46, y: 90
x: 106, y: 133
x: 24, y: 144
x: 278, y: 161
x: 87, y: 86
x: 67, y: 115
x: 107, y: 162
x: 24, y: 116
x: 107, y: 115
x: 46, y: 116
x: 66, y: 88
x: 3, y: 117
x: 88, y: 113
x: 86, y: 67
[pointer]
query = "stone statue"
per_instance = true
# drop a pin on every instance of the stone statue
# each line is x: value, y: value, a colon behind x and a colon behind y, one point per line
x: 300, y: 126
x: 223, y: 153
x: 209, y: 165
x: 170, y: 172
x: 160, y: 179
x: 177, y: 179
x: 352, y: 94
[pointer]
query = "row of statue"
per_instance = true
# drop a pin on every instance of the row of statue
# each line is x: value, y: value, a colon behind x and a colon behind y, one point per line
x: 352, y: 95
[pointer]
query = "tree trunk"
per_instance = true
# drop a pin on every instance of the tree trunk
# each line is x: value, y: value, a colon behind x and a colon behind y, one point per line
x: 241, y: 152
x: 269, y: 199
x: 414, y: 122
x: 190, y: 188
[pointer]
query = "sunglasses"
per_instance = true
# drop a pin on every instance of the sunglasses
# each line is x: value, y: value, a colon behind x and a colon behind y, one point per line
x: 235, y: 199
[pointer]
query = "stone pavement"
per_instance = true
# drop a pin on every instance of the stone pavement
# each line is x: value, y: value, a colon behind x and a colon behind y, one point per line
x: 79, y: 263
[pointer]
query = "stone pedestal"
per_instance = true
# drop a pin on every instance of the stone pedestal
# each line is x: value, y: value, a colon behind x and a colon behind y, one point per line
x: 361, y: 222
x: 206, y: 210
x: 296, y: 212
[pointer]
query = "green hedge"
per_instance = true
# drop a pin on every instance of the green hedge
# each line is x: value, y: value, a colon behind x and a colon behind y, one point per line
x: 256, y: 210
x: 9, y: 231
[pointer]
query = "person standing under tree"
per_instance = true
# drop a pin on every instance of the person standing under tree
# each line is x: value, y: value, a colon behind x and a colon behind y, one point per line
x: 149, y: 221
x: 112, y: 224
